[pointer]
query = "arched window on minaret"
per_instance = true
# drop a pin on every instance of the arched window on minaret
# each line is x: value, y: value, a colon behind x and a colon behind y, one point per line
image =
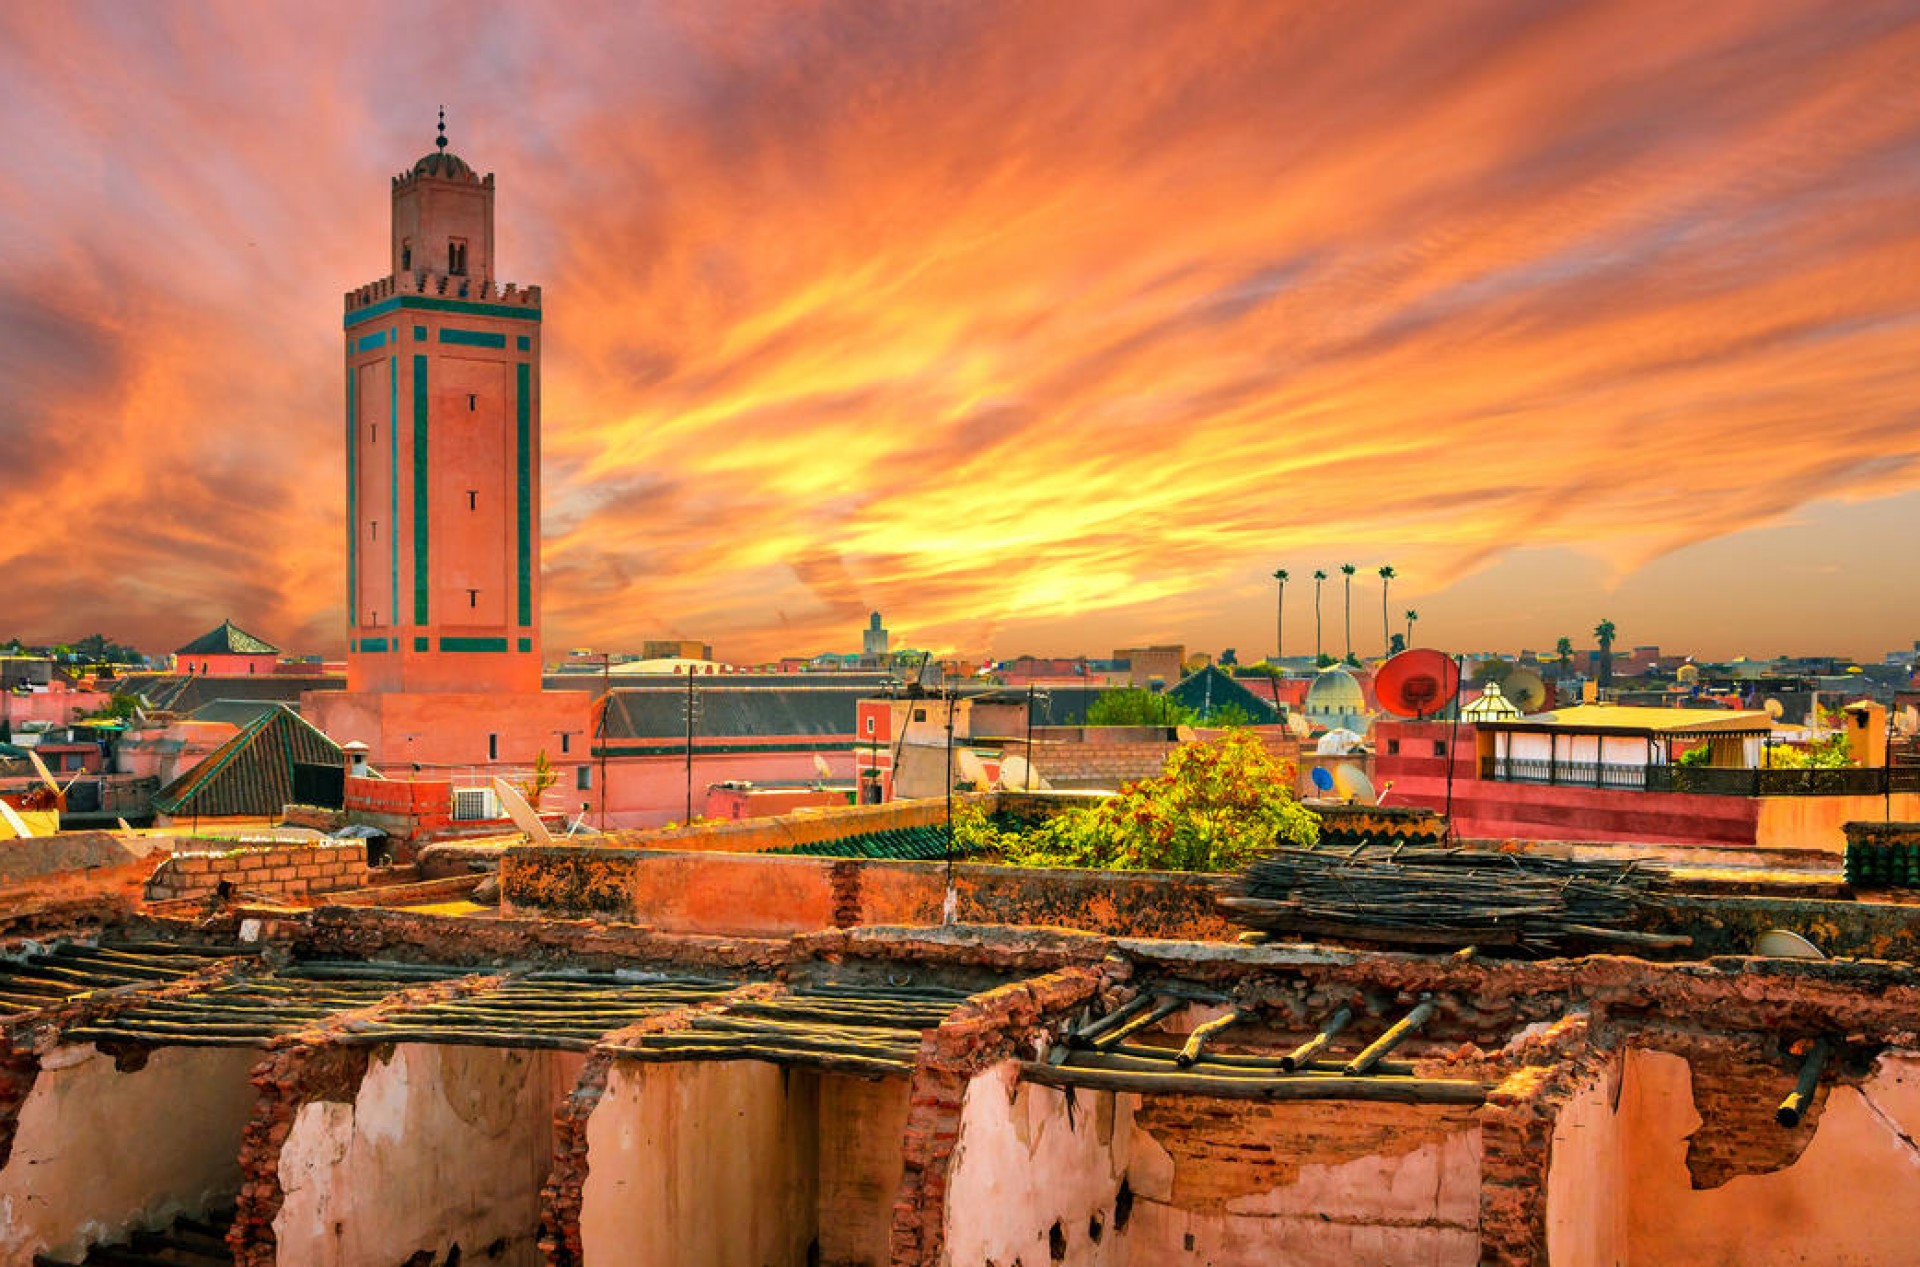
x: 406, y: 255
x: 457, y: 257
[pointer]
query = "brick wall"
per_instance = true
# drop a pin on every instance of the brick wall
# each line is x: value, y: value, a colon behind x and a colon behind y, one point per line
x: 279, y: 871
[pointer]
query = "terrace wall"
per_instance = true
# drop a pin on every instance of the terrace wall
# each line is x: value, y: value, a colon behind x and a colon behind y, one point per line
x: 762, y: 895
x: 271, y: 871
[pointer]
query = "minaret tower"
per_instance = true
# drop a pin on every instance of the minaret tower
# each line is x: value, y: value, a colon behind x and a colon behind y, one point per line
x: 443, y: 451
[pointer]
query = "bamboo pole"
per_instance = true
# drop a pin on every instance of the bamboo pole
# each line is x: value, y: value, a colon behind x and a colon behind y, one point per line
x: 1160, y: 1012
x: 1794, y: 1107
x: 1197, y: 1039
x: 1119, y: 1016
x: 1312, y: 1048
x: 1402, y: 1030
x: 1131, y: 1059
x: 1296, y: 1087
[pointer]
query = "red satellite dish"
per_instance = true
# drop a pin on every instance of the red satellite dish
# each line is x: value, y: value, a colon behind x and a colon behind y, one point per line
x: 1417, y: 683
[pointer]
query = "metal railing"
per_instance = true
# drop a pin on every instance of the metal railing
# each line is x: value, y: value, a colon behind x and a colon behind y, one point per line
x: 1704, y: 780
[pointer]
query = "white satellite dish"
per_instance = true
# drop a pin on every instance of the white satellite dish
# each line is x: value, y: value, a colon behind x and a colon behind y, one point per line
x: 1352, y: 782
x: 1021, y: 774
x: 40, y: 768
x: 1298, y: 726
x: 1778, y: 943
x: 972, y: 769
x: 1338, y: 743
x: 522, y: 813
x: 821, y: 768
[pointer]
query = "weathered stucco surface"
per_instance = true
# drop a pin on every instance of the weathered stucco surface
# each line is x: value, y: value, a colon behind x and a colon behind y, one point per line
x: 99, y: 1152
x: 1850, y: 1198
x: 702, y: 1165
x: 442, y: 1146
x: 1120, y: 1181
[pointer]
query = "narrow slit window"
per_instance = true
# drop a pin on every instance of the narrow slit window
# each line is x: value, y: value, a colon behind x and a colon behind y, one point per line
x: 473, y: 499
x: 406, y: 255
x: 493, y: 747
x: 473, y: 598
x: 473, y: 402
x: 373, y: 529
x: 457, y: 257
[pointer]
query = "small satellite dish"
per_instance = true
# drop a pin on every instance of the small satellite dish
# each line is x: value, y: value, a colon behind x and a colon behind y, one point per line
x: 821, y: 768
x: 1352, y: 782
x: 1019, y: 773
x: 1687, y: 674
x: 1338, y: 743
x: 971, y: 768
x: 1322, y: 778
x: 521, y: 813
x: 1775, y: 709
x: 1525, y: 690
x: 1298, y: 726
x: 1778, y: 943
x: 15, y: 822
x: 1417, y: 683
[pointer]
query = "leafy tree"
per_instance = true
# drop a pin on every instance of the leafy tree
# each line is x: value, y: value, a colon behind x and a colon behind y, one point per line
x: 1491, y: 671
x: 1215, y: 807
x: 542, y: 777
x: 119, y: 707
x: 1325, y: 661
x: 1137, y: 706
x: 1225, y: 716
x: 1396, y: 645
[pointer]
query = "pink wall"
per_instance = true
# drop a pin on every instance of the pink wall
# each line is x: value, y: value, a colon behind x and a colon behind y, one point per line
x: 226, y: 665
x: 652, y: 790
x: 57, y: 706
x: 451, y: 731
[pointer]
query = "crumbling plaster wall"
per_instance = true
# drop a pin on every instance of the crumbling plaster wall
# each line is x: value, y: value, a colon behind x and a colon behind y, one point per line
x: 441, y: 1146
x: 1849, y: 1196
x: 1105, y: 1180
x: 702, y: 1164
x: 98, y: 1151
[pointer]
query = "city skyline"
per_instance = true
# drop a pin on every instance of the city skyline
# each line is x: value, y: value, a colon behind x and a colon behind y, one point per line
x: 1039, y: 331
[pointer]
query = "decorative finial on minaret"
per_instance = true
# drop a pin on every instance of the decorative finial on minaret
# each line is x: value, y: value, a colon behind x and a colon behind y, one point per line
x: 441, y: 140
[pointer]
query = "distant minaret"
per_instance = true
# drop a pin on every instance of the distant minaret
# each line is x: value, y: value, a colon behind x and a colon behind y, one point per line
x: 443, y: 451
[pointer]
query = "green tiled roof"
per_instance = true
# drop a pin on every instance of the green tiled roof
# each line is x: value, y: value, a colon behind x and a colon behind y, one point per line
x: 252, y: 773
x: 900, y: 844
x: 227, y: 640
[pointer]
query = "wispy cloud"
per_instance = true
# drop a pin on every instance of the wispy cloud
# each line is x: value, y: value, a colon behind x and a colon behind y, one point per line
x: 998, y: 318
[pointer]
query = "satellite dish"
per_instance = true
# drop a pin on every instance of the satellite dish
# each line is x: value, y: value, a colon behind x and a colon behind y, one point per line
x: 1352, y: 782
x: 1778, y: 943
x: 1525, y: 689
x: 821, y: 768
x: 1774, y: 708
x: 1687, y: 674
x: 1019, y: 773
x: 1298, y: 726
x: 15, y: 822
x: 1338, y: 743
x: 1322, y: 778
x: 522, y: 813
x: 1417, y: 683
x: 972, y: 769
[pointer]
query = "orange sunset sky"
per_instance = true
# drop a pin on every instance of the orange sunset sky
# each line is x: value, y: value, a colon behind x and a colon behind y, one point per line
x: 1041, y: 327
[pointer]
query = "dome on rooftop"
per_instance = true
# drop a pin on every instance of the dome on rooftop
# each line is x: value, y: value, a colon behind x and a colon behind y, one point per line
x: 443, y: 163
x: 1335, y: 690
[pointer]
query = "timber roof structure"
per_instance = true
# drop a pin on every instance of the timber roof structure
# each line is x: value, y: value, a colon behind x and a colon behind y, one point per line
x: 228, y: 639
x: 251, y: 774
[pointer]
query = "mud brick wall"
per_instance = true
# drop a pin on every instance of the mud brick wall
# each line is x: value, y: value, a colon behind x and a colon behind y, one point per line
x: 278, y: 871
x: 752, y: 895
x: 1516, y: 1140
x: 1101, y: 765
x: 287, y: 1080
x: 317, y: 817
x: 998, y: 1025
x: 564, y: 1196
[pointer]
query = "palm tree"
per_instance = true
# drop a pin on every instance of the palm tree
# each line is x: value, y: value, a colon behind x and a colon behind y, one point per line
x: 1564, y: 650
x: 1386, y: 579
x: 1604, y: 633
x: 1347, y: 570
x: 1280, y: 617
x: 1412, y: 616
x: 1319, y: 577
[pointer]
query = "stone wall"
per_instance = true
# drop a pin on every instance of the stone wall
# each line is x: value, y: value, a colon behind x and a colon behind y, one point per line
x: 762, y: 895
x: 270, y: 871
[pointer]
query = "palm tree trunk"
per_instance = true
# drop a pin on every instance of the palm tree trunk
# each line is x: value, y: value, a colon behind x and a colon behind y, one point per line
x: 1386, y: 627
x: 1318, y: 653
x: 1349, y: 618
x: 1280, y: 626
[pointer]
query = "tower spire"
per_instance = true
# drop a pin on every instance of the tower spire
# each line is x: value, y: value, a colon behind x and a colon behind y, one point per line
x: 441, y: 140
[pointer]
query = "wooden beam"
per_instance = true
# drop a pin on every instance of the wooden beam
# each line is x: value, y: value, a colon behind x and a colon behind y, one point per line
x: 1402, y: 1030
x: 1291, y: 1087
x: 1794, y: 1107
x: 1308, y: 1051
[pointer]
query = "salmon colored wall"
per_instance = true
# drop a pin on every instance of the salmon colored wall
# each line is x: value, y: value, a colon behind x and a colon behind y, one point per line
x: 450, y: 730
